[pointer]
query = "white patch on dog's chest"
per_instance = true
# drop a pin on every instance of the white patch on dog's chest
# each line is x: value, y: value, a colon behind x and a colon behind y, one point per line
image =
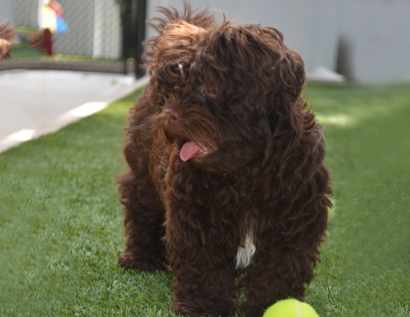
x: 245, y: 252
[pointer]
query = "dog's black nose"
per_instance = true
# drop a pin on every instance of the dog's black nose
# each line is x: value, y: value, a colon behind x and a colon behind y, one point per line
x: 173, y: 114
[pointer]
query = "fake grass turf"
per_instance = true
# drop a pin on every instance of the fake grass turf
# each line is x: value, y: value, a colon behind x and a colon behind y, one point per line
x: 61, y: 226
x: 365, y: 270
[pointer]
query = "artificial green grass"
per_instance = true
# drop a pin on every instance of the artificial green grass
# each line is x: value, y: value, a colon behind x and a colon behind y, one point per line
x: 365, y: 269
x: 61, y: 226
x: 25, y: 51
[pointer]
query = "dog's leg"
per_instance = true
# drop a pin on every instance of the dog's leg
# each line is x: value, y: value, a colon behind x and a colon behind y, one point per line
x: 204, y: 293
x: 204, y: 269
x: 144, y: 214
x: 276, y: 276
x: 143, y: 225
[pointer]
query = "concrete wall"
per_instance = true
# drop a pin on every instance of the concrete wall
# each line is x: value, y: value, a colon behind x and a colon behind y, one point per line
x: 107, y: 29
x: 6, y: 10
x: 366, y: 40
x: 79, y: 40
x: 374, y: 40
x: 308, y: 26
x: 25, y: 13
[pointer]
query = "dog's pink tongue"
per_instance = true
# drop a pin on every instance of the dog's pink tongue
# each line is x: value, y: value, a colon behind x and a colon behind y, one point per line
x: 190, y: 150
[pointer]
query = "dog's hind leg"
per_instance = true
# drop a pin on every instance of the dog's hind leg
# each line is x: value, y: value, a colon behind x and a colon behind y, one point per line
x: 144, y: 214
x: 143, y: 225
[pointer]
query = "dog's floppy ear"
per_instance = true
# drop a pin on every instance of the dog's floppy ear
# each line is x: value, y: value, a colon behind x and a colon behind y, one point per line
x: 291, y: 73
x: 286, y: 67
x: 254, y: 67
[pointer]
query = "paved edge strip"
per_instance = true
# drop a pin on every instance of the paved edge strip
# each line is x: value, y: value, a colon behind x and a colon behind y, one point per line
x: 71, y: 116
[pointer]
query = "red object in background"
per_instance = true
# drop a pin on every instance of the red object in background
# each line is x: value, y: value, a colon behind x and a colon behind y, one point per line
x: 48, y: 42
x: 57, y: 8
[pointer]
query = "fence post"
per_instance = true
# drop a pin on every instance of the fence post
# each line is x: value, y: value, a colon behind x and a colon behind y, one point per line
x: 141, y: 17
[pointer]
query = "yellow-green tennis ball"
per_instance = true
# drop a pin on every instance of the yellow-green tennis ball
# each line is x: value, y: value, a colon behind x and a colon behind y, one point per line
x: 290, y: 308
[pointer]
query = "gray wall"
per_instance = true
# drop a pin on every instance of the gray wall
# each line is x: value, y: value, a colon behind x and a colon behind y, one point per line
x: 6, y: 10
x: 309, y: 26
x: 79, y: 40
x: 374, y: 40
x: 366, y: 40
x: 25, y: 13
x: 107, y: 29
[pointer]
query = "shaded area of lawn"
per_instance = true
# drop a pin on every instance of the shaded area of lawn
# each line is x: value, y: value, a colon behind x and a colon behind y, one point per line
x: 61, y: 226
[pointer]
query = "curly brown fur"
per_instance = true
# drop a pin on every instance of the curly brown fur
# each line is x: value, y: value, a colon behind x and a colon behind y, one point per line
x: 36, y: 40
x: 6, y: 41
x: 259, y: 180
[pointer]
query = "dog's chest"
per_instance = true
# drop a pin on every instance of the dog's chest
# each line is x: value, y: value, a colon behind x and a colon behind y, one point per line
x: 180, y: 183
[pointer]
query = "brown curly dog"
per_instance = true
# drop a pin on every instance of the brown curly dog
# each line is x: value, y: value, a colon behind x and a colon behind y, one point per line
x: 227, y: 185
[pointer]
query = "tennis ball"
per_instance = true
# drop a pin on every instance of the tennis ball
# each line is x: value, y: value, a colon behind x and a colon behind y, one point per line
x: 290, y: 308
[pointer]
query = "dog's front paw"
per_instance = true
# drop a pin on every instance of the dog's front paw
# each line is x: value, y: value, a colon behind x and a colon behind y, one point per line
x: 130, y: 261
x: 251, y: 311
x: 196, y: 309
x: 187, y: 310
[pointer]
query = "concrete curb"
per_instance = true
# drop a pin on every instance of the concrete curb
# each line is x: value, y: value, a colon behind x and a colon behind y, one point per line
x: 38, y: 64
x: 71, y: 116
x: 323, y: 75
